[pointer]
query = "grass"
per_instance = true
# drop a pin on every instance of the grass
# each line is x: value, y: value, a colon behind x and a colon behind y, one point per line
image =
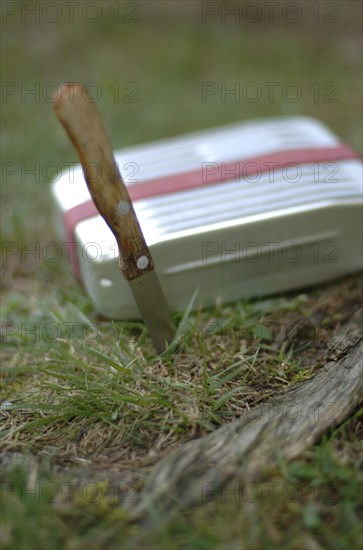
x: 310, y: 503
x: 86, y: 404
x: 96, y: 418
x: 141, y: 399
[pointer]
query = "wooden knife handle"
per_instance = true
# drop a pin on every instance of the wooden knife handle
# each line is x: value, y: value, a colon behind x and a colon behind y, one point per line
x: 82, y: 122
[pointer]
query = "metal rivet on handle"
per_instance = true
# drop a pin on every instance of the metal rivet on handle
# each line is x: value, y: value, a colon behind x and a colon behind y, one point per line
x: 123, y: 208
x: 142, y: 262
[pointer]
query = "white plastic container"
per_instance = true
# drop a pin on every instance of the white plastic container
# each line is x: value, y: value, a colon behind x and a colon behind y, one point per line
x: 244, y: 210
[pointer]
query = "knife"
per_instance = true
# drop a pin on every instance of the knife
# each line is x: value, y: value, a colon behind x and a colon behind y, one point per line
x: 78, y: 114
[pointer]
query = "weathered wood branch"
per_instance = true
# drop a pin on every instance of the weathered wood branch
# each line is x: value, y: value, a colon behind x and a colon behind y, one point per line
x: 282, y: 428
